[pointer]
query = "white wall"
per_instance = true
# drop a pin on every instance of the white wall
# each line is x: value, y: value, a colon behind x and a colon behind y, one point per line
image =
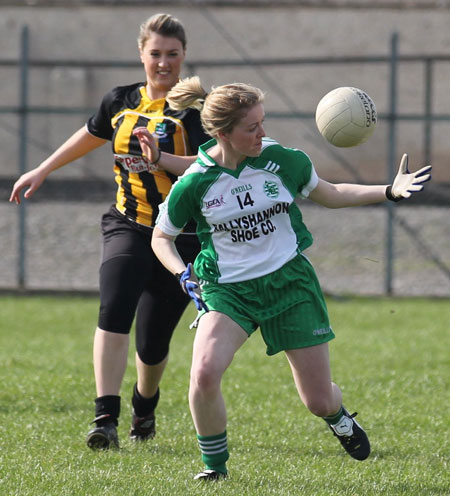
x: 109, y: 33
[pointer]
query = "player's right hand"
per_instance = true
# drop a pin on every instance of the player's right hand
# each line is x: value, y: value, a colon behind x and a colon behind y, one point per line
x: 148, y: 144
x: 33, y: 179
x: 190, y: 285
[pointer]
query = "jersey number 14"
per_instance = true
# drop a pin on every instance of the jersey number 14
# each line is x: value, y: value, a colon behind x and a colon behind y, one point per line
x: 247, y: 201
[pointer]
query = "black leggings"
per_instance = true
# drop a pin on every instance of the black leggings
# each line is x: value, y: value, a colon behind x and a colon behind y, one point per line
x: 134, y: 282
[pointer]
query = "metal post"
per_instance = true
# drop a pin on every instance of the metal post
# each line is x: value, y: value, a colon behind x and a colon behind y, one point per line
x: 23, y: 139
x: 428, y: 110
x: 391, y: 162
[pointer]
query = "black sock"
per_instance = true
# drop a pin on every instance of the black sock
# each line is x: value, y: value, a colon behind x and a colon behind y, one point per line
x: 143, y: 406
x: 107, y: 409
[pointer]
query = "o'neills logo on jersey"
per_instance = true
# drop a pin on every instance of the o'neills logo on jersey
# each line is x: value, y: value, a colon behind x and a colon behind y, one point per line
x: 241, y: 189
x: 135, y: 163
x: 215, y: 202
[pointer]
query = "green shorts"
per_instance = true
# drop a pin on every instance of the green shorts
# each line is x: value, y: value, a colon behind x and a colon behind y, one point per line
x: 287, y: 305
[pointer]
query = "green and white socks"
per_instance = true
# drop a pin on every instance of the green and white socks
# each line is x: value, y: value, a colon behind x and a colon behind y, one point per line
x: 340, y: 423
x: 214, y: 451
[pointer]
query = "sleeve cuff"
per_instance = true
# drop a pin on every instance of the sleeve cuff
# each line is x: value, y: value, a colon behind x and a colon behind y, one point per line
x: 311, y: 185
x: 164, y: 223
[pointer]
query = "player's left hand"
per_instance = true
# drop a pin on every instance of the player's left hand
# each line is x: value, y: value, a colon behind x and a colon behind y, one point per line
x: 190, y: 285
x: 406, y: 183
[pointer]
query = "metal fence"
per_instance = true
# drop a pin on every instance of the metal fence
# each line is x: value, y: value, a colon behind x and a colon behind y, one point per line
x: 434, y: 254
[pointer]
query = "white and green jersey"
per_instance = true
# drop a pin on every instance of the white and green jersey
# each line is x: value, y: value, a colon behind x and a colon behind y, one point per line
x: 247, y: 221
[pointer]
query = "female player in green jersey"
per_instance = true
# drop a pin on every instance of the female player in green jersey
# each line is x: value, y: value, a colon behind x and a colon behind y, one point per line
x: 241, y: 193
x: 132, y: 280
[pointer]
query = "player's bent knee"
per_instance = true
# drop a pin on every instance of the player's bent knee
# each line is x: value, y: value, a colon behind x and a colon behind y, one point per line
x: 151, y: 358
x: 205, y: 379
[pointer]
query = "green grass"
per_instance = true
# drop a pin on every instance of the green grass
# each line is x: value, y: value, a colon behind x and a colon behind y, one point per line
x: 391, y: 358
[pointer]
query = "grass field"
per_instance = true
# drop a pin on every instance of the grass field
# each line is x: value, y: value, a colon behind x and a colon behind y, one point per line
x: 391, y: 358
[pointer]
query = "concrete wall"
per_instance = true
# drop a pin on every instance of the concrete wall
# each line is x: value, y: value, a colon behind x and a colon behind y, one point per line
x: 349, y: 252
x: 109, y: 33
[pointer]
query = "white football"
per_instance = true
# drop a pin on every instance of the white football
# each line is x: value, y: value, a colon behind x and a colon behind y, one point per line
x: 346, y: 116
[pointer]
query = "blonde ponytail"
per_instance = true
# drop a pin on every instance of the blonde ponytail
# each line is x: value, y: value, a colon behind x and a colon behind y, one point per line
x: 221, y: 109
x: 187, y: 93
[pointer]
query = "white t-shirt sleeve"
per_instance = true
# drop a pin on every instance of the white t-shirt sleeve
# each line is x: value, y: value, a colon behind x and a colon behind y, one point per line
x: 164, y: 223
x: 311, y: 185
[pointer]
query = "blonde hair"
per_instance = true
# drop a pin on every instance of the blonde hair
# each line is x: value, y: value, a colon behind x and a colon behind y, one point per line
x: 163, y: 24
x: 221, y: 109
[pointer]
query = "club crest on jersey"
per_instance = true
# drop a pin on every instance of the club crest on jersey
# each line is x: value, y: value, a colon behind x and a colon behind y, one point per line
x: 161, y: 131
x: 215, y: 202
x: 271, y: 189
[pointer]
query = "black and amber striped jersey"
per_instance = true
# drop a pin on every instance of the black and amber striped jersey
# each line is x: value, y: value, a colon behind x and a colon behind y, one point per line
x: 141, y: 187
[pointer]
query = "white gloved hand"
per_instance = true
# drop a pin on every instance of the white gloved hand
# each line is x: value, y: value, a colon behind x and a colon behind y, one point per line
x: 406, y: 183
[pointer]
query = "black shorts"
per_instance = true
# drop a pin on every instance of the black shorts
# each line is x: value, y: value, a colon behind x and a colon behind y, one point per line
x: 134, y: 282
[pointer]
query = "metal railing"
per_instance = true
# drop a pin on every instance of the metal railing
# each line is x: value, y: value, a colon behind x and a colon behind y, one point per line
x: 392, y: 117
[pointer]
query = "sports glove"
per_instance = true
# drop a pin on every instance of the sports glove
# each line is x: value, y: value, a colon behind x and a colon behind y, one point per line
x: 405, y: 182
x: 190, y: 285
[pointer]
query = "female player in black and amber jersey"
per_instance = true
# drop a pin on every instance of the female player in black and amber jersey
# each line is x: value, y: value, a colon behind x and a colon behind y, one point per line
x: 132, y: 280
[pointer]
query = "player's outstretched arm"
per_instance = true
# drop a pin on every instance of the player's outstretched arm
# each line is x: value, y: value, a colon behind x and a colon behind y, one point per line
x: 175, y: 164
x: 352, y: 195
x: 78, y: 145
